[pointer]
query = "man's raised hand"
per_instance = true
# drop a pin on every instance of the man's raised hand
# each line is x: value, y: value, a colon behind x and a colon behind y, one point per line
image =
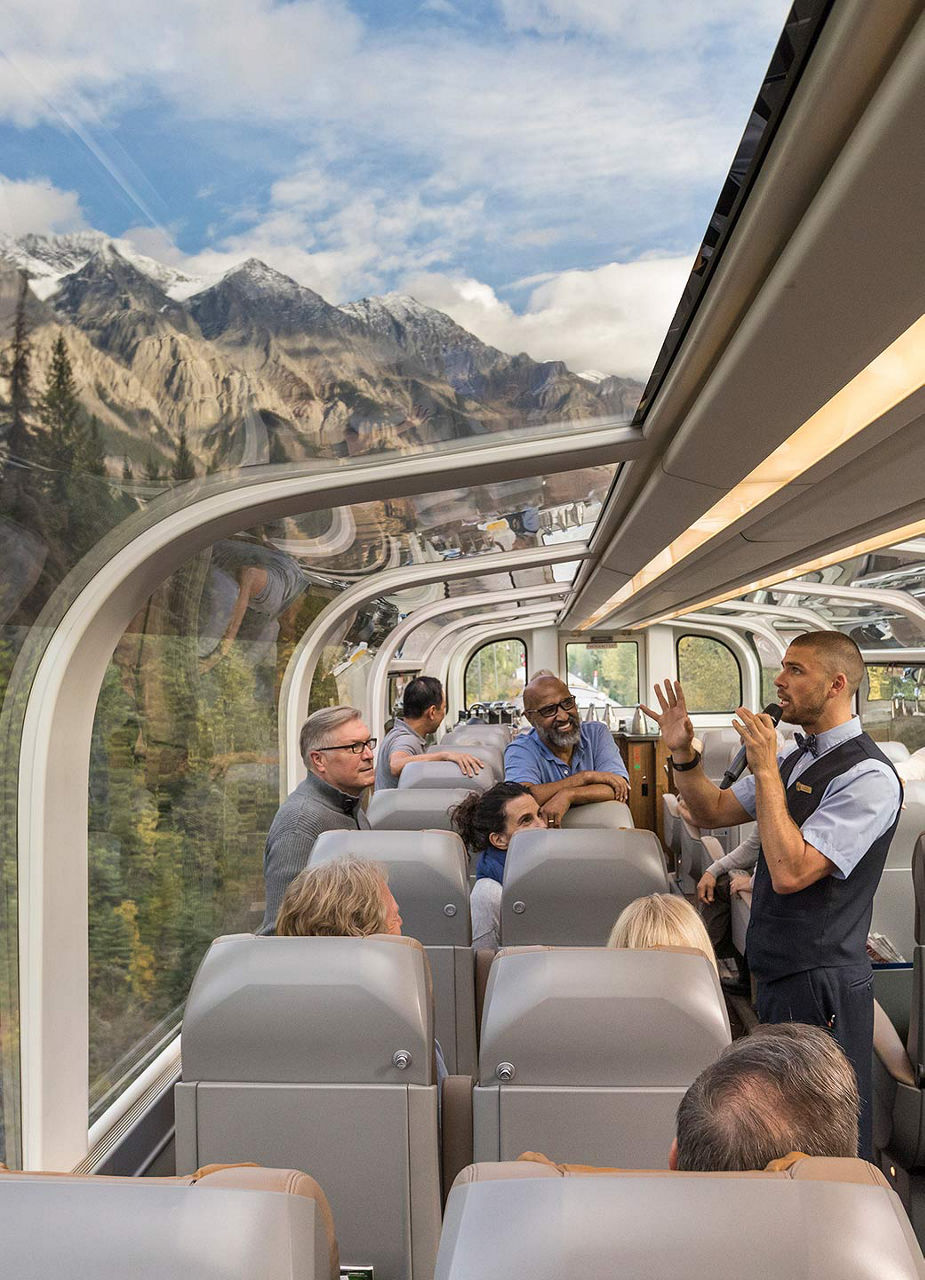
x: 673, y: 720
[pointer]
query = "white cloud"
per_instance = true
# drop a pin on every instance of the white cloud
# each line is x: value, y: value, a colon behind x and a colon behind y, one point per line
x: 35, y: 205
x: 613, y: 319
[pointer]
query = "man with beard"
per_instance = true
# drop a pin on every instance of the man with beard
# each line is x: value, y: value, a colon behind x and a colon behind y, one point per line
x: 561, y: 761
x: 827, y: 808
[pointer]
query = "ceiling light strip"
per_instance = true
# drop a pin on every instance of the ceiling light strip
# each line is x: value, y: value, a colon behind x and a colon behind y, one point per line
x: 810, y: 566
x: 888, y: 379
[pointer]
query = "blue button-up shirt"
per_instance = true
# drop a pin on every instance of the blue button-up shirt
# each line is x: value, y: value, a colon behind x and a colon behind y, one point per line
x: 529, y: 761
x: 856, y: 807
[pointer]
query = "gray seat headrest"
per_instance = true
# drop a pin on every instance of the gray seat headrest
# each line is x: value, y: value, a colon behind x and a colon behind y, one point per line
x: 566, y: 888
x: 445, y: 774
x: 588, y: 1016
x: 415, y: 809
x: 115, y: 1229
x: 310, y: 1010
x: 644, y: 1228
x: 611, y: 814
x: 428, y: 874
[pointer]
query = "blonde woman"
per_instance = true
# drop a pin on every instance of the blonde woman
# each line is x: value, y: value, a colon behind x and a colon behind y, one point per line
x: 660, y: 920
x: 347, y: 898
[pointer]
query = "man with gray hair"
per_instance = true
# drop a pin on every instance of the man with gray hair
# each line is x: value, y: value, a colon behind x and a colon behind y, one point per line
x: 785, y: 1088
x: 338, y: 753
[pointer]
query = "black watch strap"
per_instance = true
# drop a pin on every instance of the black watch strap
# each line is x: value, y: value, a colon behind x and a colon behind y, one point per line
x: 683, y: 768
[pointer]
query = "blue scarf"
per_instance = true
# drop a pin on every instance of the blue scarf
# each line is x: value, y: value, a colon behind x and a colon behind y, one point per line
x: 491, y: 864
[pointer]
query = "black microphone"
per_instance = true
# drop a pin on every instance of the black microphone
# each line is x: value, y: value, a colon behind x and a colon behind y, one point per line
x: 737, y: 768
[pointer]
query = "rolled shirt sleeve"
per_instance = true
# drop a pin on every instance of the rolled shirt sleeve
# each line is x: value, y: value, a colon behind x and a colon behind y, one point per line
x: 605, y: 754
x: 521, y: 764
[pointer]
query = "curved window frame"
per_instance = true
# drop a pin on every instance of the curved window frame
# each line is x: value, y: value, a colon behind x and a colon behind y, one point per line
x: 691, y: 635
x: 487, y: 645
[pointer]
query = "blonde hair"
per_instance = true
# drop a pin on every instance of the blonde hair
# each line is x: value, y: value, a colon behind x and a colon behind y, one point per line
x: 343, y: 898
x: 660, y: 920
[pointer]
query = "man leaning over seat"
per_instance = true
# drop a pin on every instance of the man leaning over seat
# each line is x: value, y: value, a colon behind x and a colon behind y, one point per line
x: 561, y: 761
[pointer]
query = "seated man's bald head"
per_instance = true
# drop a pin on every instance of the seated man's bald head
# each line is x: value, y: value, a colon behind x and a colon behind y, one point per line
x: 543, y: 689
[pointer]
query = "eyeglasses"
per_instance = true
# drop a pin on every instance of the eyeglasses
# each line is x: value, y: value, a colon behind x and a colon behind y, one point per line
x: 356, y: 747
x: 547, y: 713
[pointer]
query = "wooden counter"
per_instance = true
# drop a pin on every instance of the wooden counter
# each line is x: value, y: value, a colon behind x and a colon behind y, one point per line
x: 645, y: 757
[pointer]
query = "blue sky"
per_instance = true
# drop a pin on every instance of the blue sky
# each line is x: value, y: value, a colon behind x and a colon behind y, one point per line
x: 543, y: 170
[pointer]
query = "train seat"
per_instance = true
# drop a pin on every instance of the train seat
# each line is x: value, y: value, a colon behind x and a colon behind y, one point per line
x: 320, y: 1052
x: 254, y: 1224
x: 428, y: 874
x: 445, y: 773
x: 894, y: 751
x: 490, y: 753
x: 610, y: 814
x: 585, y: 1053
x: 719, y: 745
x: 564, y: 888
x: 671, y: 824
x: 894, y: 901
x: 831, y: 1219
x: 899, y: 1083
x: 414, y: 808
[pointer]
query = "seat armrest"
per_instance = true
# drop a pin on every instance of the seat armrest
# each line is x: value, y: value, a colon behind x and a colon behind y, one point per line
x: 890, y: 1049
x: 456, y: 1129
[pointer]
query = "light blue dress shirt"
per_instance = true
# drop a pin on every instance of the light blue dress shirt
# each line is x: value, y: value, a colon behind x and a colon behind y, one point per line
x: 856, y: 807
x: 529, y: 761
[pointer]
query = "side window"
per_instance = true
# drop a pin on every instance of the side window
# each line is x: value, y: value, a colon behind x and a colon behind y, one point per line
x: 710, y: 674
x: 496, y: 672
x: 604, y: 675
x: 894, y: 708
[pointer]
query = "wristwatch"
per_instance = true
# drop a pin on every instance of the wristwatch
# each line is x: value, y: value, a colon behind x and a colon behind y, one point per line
x: 683, y: 768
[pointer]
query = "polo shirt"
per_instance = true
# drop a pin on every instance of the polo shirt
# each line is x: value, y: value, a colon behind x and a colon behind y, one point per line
x: 529, y: 761
x: 401, y: 737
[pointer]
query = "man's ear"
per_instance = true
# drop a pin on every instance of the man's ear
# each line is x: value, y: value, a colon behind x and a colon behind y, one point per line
x: 673, y: 1156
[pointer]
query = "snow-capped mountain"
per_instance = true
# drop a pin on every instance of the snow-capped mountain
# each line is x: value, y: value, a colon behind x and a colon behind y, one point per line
x: 48, y: 259
x: 256, y: 366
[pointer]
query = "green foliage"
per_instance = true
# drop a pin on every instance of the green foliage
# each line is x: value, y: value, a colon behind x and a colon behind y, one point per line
x: 183, y: 466
x: 614, y: 669
x: 709, y: 672
x: 495, y: 672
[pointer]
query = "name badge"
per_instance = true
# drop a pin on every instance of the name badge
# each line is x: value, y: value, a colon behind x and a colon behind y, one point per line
x: 801, y: 786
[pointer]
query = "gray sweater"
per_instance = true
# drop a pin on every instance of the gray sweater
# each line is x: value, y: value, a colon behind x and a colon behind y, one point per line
x: 313, y: 807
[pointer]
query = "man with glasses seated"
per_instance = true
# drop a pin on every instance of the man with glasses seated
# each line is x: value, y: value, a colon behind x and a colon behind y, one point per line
x: 561, y: 761
x: 338, y: 754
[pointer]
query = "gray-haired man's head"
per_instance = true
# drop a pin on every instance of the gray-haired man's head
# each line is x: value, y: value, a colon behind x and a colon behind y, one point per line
x: 784, y: 1088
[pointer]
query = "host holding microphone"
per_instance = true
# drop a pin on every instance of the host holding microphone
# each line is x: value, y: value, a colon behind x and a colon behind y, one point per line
x: 827, y: 808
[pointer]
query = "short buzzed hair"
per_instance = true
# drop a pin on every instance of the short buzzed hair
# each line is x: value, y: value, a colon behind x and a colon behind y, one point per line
x: 837, y: 652
x: 784, y: 1088
x: 319, y: 726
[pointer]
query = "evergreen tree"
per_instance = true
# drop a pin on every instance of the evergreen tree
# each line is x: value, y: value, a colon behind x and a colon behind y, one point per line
x: 183, y: 467
x: 59, y: 410
x: 17, y: 370
x: 91, y: 455
x: 128, y: 474
x: 152, y: 471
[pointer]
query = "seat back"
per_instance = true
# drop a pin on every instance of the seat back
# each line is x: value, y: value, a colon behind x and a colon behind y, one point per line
x: 894, y: 751
x: 671, y: 824
x: 894, y: 900
x: 490, y: 753
x: 445, y: 774
x: 414, y: 808
x: 566, y: 888
x: 585, y: 1053
x: 717, y: 746
x: 151, y: 1228
x: 319, y: 1052
x: 428, y: 874
x: 639, y: 1226
x: 691, y: 857
x: 496, y: 735
x: 612, y: 815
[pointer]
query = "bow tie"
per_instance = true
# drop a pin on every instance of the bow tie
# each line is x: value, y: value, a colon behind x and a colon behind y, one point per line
x: 807, y: 743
